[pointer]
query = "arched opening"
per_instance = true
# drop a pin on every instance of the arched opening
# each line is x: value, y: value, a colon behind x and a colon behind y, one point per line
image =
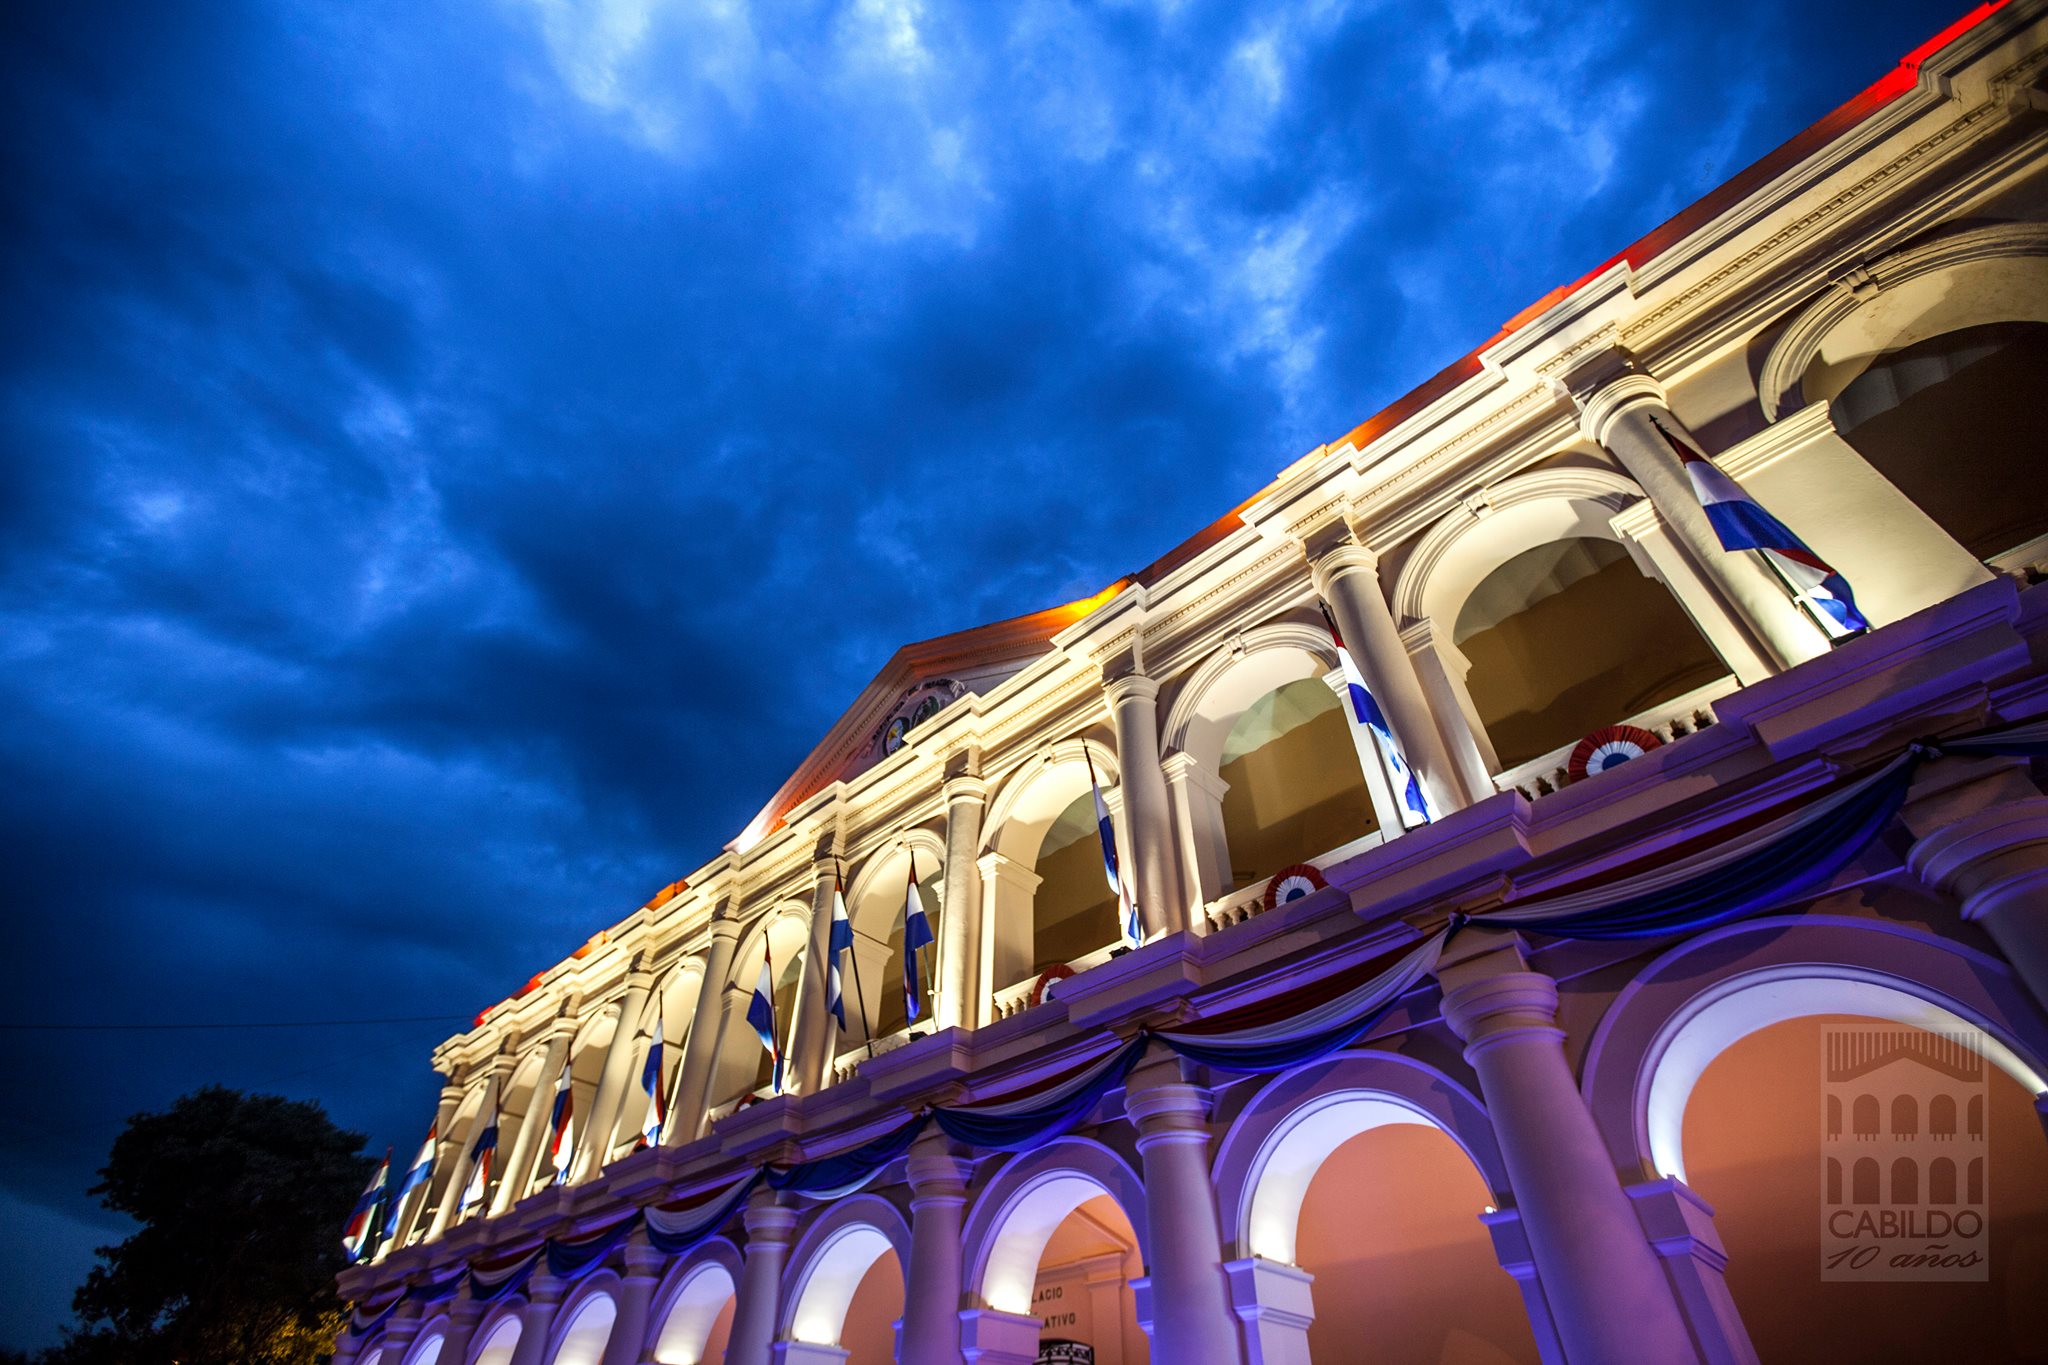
x: 670, y: 1006
x: 1569, y: 637
x: 744, y: 1066
x: 1756, y: 1150
x: 1048, y: 899
x: 589, y: 1328
x: 1073, y: 911
x: 1293, y: 787
x: 849, y: 1292
x: 698, y: 1318
x: 1367, y: 1194
x: 520, y: 1097
x: 872, y: 973
x: 1065, y: 1254
x: 498, y: 1341
x: 1952, y: 420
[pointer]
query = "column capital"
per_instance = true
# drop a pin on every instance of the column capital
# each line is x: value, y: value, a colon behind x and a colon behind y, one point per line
x: 1185, y: 768
x: 543, y: 1288
x: 1606, y: 384
x: 1163, y: 1107
x: 1332, y: 561
x: 644, y: 1261
x: 1130, y: 686
x: 967, y: 788
x: 938, y: 1169
x: 1002, y: 867
x: 1494, y: 1009
x: 767, y: 1220
x: 1987, y: 855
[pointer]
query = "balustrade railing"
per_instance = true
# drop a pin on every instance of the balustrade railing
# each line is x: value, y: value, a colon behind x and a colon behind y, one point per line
x: 1669, y: 721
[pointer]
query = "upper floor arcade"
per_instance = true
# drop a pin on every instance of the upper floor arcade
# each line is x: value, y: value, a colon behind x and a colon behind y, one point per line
x: 1520, y: 566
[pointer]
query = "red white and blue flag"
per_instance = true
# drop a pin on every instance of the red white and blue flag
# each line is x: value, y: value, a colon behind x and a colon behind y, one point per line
x: 482, y: 1153
x: 657, y: 1093
x: 917, y: 934
x: 561, y: 1123
x: 761, y: 1014
x: 1742, y: 524
x: 416, y: 1175
x: 1105, y: 830
x: 840, y: 940
x: 1366, y: 710
x: 355, y: 1238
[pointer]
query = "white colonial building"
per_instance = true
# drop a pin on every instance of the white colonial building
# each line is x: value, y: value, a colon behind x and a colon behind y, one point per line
x: 1595, y: 1142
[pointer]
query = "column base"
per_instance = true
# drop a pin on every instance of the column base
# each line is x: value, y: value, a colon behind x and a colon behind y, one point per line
x: 1272, y: 1299
x: 808, y: 1353
x: 996, y: 1338
x: 1680, y: 1227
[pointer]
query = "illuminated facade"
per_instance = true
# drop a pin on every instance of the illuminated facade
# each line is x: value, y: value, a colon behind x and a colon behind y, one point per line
x: 1550, y: 1147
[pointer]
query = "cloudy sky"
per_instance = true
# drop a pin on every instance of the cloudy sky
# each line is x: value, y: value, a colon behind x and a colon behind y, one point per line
x: 455, y: 458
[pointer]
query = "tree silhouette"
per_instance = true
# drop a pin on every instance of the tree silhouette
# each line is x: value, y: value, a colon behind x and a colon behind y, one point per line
x: 241, y: 1199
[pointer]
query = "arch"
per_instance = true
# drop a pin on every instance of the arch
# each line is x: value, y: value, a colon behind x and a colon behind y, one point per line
x: 372, y: 1355
x: 1905, y: 1116
x: 1035, y: 793
x: 1016, y: 1214
x: 1863, y: 1182
x: 1076, y: 915
x: 1987, y: 274
x: 1905, y: 1180
x: 1941, y: 1116
x: 583, y: 1326
x: 673, y: 1002
x: 1528, y: 510
x: 1941, y: 1181
x: 497, y: 1336
x: 688, y: 1303
x: 783, y: 932
x: 1691, y: 1003
x: 1863, y: 1116
x: 1273, y: 1149
x: 428, y: 1347
x: 874, y: 908
x: 1219, y: 690
x: 830, y: 1260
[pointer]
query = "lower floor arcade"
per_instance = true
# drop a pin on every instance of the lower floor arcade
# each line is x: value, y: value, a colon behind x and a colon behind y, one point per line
x: 1363, y: 1207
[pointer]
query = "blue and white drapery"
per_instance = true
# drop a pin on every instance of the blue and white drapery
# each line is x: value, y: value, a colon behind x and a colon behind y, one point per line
x: 1741, y: 523
x: 674, y: 1229
x: 839, y: 940
x: 1032, y: 1120
x: 651, y: 1083
x: 1366, y: 712
x: 1105, y: 830
x: 761, y: 1015
x: 917, y: 935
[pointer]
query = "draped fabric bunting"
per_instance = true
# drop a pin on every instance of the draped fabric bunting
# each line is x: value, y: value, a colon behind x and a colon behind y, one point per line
x: 496, y: 1278
x: 672, y: 1230
x: 1034, y: 1120
x: 1314, y: 1032
x: 829, y: 1177
x: 567, y: 1258
x: 1759, y: 865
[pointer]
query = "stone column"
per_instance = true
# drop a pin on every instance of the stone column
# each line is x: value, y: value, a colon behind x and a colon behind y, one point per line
x: 1441, y: 668
x: 1511, y: 1249
x: 411, y: 1217
x: 811, y: 1050
x: 621, y: 1068
x: 533, y: 1128
x: 400, y: 1329
x: 1007, y: 888
x: 1193, y: 1323
x: 1196, y: 797
x: 770, y: 1227
x: 1272, y: 1300
x: 1994, y: 863
x: 1617, y: 403
x: 543, y: 1297
x: 1148, y: 865
x: 1608, y: 1294
x: 700, y: 1049
x: 1386, y: 808
x: 963, y: 987
x: 1680, y: 1228
x: 931, y: 1309
x: 457, y: 1160
x: 1347, y: 576
x: 462, y: 1324
x: 634, y: 1302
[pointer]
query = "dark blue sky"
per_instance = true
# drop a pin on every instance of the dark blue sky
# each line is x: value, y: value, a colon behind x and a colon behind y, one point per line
x: 456, y: 458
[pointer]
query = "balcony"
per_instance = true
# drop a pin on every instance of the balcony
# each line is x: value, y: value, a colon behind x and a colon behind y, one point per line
x: 1669, y: 721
